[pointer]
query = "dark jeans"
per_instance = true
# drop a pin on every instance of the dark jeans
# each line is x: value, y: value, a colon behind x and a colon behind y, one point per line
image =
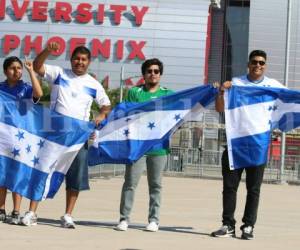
x: 231, y: 180
x: 77, y: 177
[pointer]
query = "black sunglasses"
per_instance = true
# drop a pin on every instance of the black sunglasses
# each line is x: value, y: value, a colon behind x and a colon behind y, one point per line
x: 155, y: 71
x: 255, y: 62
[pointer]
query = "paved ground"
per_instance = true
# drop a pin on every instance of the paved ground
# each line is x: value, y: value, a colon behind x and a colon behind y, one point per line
x: 191, y: 210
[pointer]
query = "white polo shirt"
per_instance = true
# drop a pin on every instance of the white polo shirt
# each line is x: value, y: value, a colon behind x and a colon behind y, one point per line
x: 72, y: 95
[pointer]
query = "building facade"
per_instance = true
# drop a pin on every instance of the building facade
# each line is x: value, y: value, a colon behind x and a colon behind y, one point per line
x: 118, y: 33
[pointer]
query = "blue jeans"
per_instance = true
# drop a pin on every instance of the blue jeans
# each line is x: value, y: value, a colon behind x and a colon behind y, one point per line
x: 155, y: 165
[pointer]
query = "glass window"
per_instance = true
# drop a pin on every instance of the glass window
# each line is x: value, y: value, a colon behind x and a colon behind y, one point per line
x: 236, y: 38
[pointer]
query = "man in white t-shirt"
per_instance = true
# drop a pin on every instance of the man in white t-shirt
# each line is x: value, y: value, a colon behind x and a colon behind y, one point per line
x: 254, y: 174
x: 72, y: 93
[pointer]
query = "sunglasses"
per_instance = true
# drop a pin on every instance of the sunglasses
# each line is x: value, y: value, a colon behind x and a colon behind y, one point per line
x: 255, y: 62
x: 155, y: 71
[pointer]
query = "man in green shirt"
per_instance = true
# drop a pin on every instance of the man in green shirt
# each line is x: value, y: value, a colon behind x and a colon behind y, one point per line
x: 155, y: 160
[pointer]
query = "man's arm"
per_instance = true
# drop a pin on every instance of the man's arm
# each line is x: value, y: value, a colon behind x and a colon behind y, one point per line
x: 219, y: 102
x: 103, y: 113
x: 37, y: 91
x: 38, y: 63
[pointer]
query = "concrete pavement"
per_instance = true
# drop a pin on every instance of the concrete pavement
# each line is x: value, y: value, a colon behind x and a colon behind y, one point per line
x: 191, y: 209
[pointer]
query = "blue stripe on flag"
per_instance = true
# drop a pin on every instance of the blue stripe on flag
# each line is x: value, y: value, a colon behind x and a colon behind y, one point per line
x: 288, y: 121
x: 248, y: 96
x: 57, y: 179
x: 19, y: 178
x: 125, y: 152
x: 27, y: 181
x: 251, y: 150
x: 240, y: 96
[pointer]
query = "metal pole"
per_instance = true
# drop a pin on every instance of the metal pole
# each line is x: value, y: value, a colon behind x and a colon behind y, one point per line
x: 121, y: 83
x: 286, y: 78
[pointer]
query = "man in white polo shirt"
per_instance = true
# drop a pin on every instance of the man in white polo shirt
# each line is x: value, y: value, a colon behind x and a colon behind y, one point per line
x: 254, y: 174
x: 72, y: 93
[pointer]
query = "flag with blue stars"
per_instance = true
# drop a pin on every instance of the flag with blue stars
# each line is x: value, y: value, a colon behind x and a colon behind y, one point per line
x: 133, y: 129
x: 37, y: 147
x: 251, y: 113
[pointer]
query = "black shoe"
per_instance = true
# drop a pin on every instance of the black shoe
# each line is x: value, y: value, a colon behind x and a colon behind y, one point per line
x: 224, y: 232
x: 2, y: 215
x: 247, y: 232
x: 15, y: 218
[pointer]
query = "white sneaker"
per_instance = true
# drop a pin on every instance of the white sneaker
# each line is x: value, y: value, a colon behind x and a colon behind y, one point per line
x: 152, y: 227
x: 29, y: 219
x: 122, y: 226
x: 67, y: 221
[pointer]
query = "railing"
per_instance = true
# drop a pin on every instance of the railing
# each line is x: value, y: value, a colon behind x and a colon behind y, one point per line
x: 205, y: 164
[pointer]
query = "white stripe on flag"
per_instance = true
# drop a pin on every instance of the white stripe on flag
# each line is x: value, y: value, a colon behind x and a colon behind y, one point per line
x: 139, y: 126
x: 255, y: 114
x: 34, y: 151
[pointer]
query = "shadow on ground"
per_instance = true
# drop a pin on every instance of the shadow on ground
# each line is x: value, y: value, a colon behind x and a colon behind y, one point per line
x: 111, y: 225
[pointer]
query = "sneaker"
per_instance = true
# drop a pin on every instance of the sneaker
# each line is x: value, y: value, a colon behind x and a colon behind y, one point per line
x: 122, y: 226
x: 15, y: 218
x: 67, y: 221
x: 247, y: 232
x: 2, y: 215
x: 29, y: 219
x: 152, y: 227
x: 224, y: 232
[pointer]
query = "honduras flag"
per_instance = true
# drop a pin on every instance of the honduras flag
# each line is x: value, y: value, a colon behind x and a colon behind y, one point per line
x: 37, y: 147
x: 133, y: 129
x: 251, y: 113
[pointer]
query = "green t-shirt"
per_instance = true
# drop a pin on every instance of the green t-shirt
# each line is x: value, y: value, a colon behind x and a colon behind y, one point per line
x: 141, y: 94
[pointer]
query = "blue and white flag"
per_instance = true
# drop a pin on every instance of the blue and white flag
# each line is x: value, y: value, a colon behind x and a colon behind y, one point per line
x: 37, y: 147
x: 251, y: 113
x: 133, y: 129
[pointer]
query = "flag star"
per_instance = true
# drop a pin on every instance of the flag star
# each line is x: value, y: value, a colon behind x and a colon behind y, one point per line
x: 16, y: 152
x: 41, y: 143
x: 151, y: 125
x: 126, y: 132
x: 274, y: 107
x: 177, y: 117
x: 28, y: 148
x: 35, y: 160
x: 20, y: 135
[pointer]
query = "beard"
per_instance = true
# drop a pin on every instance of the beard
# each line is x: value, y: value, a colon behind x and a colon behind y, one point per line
x: 152, y: 84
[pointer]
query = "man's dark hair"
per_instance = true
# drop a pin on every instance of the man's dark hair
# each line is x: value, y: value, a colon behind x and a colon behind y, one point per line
x: 81, y: 50
x: 154, y: 61
x: 10, y: 60
x: 257, y: 53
